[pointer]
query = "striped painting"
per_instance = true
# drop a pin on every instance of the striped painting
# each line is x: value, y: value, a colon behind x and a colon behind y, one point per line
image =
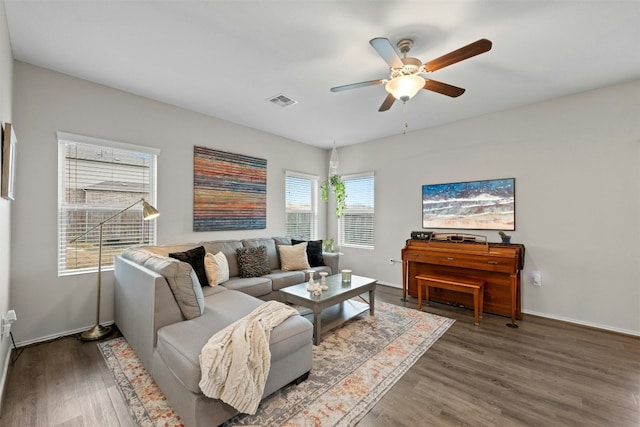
x: 229, y: 191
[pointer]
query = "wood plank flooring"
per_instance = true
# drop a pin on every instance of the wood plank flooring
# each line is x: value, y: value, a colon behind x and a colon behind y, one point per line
x: 544, y: 373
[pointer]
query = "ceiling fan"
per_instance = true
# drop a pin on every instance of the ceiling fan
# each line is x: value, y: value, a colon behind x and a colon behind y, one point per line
x: 405, y: 78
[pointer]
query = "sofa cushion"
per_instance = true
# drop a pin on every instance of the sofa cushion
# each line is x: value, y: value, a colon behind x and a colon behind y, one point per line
x: 293, y: 257
x: 281, y: 279
x: 282, y: 240
x: 314, y: 252
x: 228, y: 248
x: 137, y: 254
x: 216, y: 267
x: 182, y: 355
x: 195, y: 257
x: 254, y: 286
x: 252, y: 261
x: 270, y: 246
x: 179, y: 275
x: 212, y: 290
x: 165, y: 250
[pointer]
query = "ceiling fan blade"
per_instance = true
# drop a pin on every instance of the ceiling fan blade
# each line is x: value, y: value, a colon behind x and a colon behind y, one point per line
x: 465, y: 52
x: 443, y: 88
x: 386, y: 51
x: 388, y: 102
x: 356, y: 85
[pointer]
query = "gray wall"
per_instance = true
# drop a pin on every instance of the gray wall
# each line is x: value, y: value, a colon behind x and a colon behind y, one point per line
x: 576, y: 161
x: 46, y: 102
x: 6, y: 83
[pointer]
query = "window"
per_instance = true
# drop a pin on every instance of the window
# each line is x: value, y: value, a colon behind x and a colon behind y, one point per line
x: 98, y: 179
x: 301, y: 192
x: 356, y: 225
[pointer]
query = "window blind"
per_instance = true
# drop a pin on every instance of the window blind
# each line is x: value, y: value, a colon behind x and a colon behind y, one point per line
x: 300, y: 205
x: 356, y: 226
x: 98, y: 179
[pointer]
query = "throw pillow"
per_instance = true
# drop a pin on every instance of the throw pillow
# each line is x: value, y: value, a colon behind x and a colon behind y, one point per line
x: 293, y: 257
x: 314, y: 252
x: 180, y: 276
x: 216, y: 267
x: 252, y: 262
x: 195, y: 257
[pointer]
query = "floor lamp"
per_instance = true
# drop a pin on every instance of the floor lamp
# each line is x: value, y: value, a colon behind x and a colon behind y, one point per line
x: 99, y: 331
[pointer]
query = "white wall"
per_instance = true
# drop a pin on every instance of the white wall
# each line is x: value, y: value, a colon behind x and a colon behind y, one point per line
x: 576, y: 161
x: 46, y: 102
x: 6, y: 83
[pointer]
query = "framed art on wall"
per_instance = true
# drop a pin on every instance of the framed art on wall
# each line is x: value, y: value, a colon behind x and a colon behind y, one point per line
x: 9, y: 142
x: 229, y: 191
x: 472, y: 205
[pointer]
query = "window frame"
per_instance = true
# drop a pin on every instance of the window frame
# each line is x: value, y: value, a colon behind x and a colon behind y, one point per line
x: 347, y: 211
x: 314, y: 183
x: 65, y: 138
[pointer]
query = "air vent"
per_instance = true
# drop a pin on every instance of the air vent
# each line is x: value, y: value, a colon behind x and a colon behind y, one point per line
x: 282, y: 100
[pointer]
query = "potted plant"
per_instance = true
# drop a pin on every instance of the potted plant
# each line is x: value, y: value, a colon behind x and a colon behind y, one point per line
x: 339, y: 189
x: 328, y: 244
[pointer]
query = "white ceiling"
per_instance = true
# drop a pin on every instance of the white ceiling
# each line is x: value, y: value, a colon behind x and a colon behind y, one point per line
x: 226, y: 58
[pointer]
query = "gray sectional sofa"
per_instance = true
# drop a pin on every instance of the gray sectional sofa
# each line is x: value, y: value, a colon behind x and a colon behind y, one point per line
x: 167, y: 317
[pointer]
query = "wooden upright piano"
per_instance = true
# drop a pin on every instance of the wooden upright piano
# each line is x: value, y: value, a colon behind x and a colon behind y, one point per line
x: 498, y: 264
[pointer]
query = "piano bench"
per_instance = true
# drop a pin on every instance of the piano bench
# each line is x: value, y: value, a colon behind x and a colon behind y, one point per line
x: 467, y: 285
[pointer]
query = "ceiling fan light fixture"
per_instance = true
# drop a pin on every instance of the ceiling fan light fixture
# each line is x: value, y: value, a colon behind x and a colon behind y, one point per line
x: 404, y: 88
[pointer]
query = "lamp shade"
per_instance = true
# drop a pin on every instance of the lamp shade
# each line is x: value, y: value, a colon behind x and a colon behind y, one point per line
x: 404, y: 88
x: 148, y: 211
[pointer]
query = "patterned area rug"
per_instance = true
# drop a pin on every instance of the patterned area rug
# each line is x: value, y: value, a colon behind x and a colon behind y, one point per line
x: 353, y: 367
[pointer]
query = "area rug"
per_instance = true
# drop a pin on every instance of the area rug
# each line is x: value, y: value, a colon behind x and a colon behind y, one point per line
x: 353, y: 367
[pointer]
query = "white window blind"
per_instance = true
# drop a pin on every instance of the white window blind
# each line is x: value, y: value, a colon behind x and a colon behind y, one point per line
x: 301, y: 192
x: 356, y: 226
x: 98, y: 179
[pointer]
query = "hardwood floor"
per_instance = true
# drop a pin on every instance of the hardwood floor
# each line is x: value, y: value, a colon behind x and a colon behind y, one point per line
x: 64, y: 382
x: 544, y: 373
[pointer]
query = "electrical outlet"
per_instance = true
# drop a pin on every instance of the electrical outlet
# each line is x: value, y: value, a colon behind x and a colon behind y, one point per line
x: 7, y: 321
x: 537, y: 278
x: 6, y: 328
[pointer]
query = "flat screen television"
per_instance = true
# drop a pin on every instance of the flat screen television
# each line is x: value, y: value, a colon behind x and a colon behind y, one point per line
x: 472, y: 205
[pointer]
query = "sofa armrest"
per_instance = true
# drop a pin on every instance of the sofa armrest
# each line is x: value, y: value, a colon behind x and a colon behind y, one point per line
x: 143, y: 304
x: 332, y: 259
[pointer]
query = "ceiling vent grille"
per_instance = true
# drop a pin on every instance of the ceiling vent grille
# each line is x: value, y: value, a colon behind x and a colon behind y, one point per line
x: 282, y: 100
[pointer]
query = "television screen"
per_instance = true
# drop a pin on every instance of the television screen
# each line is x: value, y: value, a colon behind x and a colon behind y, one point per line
x: 473, y: 205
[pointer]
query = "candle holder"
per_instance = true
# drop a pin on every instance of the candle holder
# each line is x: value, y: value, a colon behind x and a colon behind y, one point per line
x: 346, y: 277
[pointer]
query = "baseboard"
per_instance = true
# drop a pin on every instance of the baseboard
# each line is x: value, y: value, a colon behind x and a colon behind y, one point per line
x: 583, y: 323
x: 58, y: 335
x: 391, y: 285
x: 3, y: 378
x: 561, y: 318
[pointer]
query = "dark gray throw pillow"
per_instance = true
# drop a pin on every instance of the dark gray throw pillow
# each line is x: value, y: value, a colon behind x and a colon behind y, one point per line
x: 195, y: 257
x: 314, y: 252
x: 252, y: 262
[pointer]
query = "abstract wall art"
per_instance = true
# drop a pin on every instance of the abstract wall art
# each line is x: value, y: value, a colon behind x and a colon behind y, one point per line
x: 229, y: 191
x: 476, y: 205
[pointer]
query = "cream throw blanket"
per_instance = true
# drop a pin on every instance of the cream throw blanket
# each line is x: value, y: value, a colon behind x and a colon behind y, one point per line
x: 235, y: 362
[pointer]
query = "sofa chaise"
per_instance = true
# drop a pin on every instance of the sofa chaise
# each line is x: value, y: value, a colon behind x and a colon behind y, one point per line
x: 167, y: 317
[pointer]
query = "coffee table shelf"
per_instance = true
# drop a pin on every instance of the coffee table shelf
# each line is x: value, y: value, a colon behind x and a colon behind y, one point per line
x: 334, y: 306
x: 336, y: 315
